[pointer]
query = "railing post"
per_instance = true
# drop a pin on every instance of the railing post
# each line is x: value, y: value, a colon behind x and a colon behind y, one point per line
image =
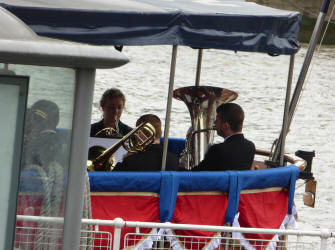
x: 119, y: 223
x: 325, y: 234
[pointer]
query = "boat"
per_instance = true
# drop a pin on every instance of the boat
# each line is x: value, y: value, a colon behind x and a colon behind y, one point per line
x: 50, y: 208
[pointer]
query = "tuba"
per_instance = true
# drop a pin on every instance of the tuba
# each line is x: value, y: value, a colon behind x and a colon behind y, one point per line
x: 201, y: 102
x: 101, y: 159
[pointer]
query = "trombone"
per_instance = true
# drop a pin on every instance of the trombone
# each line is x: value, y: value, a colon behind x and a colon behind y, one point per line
x: 135, y: 141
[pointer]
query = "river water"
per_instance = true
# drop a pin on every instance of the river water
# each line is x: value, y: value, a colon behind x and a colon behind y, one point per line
x: 260, y: 81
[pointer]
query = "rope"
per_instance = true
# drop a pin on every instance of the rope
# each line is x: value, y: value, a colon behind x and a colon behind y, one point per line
x: 324, y: 33
x: 52, y: 190
x: 45, y: 207
x: 310, y: 14
x: 312, y: 62
x: 56, y: 182
x: 86, y: 237
x: 52, y: 183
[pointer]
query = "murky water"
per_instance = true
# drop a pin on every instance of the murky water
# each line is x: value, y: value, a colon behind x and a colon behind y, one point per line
x: 260, y: 81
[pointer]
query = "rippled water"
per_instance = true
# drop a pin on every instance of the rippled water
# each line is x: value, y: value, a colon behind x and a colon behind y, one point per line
x: 260, y: 81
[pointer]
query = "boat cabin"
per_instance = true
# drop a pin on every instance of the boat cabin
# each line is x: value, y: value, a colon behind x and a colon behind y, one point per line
x: 43, y: 81
x: 46, y: 90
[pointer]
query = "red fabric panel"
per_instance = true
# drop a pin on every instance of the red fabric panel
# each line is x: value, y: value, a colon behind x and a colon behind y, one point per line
x: 262, y: 210
x: 202, y: 210
x: 127, y: 207
x: 31, y: 204
x: 28, y: 204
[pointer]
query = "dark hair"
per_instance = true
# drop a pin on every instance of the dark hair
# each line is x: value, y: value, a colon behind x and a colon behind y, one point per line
x: 111, y: 94
x: 233, y: 114
x: 154, y: 121
x: 46, y: 112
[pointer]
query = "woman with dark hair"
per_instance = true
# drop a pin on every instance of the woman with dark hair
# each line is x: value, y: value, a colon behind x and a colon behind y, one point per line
x: 112, y: 104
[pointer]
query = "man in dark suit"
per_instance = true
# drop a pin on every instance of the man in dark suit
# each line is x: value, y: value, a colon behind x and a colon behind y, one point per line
x: 236, y: 152
x: 151, y: 158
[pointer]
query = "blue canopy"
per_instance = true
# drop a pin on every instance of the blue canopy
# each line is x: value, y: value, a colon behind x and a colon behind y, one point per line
x: 232, y: 25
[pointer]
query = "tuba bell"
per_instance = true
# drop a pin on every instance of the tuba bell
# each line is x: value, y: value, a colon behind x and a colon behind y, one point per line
x: 201, y: 102
x: 101, y: 159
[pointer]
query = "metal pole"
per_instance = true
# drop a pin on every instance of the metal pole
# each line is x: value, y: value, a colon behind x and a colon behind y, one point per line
x: 79, y: 148
x: 308, y: 58
x: 169, y: 103
x: 325, y: 234
x: 306, y: 63
x: 283, y: 134
x: 285, y: 119
x: 197, y: 78
x: 119, y: 223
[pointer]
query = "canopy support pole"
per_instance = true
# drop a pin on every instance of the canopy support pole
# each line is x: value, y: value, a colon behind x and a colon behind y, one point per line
x: 73, y: 210
x: 197, y: 78
x: 286, y: 110
x: 302, y: 76
x: 169, y: 104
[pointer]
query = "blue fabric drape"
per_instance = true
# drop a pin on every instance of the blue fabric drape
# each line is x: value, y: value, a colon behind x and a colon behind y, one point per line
x: 169, y: 183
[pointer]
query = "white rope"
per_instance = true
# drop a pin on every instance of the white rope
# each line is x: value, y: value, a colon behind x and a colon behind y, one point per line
x: 86, y: 237
x: 45, y: 207
x: 313, y: 61
x: 56, y: 183
x: 52, y: 192
x: 324, y: 33
x: 310, y: 14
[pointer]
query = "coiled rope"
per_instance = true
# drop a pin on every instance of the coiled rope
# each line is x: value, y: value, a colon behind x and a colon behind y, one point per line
x: 86, y: 241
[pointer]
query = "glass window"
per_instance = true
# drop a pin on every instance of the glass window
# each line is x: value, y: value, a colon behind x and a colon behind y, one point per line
x: 46, y: 152
x: 13, y: 92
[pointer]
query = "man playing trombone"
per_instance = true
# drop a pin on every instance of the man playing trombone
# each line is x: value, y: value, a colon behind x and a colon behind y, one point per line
x: 150, y: 159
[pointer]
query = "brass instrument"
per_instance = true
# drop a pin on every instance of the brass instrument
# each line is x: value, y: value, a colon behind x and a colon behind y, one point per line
x: 187, y: 157
x: 135, y: 141
x: 108, y: 132
x: 201, y: 102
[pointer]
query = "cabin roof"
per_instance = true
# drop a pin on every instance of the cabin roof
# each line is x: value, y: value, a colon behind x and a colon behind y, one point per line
x: 21, y: 45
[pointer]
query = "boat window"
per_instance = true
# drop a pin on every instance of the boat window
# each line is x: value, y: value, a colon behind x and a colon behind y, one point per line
x: 46, y: 147
x: 13, y: 95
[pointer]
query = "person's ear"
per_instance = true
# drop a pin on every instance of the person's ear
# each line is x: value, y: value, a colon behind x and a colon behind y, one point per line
x: 226, y: 125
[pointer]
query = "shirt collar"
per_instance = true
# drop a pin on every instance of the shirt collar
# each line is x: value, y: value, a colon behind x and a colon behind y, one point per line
x: 239, y: 133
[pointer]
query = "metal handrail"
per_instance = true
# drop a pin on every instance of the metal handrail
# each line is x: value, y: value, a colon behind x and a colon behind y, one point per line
x: 118, y: 224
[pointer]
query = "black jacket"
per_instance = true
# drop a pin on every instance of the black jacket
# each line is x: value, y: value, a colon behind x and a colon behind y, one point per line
x: 48, y: 146
x: 235, y: 153
x: 148, y: 160
x: 96, y: 127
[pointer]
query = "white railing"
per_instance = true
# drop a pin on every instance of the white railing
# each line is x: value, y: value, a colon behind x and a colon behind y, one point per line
x: 317, y: 239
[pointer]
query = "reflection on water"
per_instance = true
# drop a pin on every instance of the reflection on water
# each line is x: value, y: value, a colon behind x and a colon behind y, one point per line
x: 260, y: 81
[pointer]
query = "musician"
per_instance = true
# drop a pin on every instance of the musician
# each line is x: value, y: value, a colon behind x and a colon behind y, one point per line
x: 236, y: 152
x: 43, y: 144
x: 151, y: 158
x: 112, y: 104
